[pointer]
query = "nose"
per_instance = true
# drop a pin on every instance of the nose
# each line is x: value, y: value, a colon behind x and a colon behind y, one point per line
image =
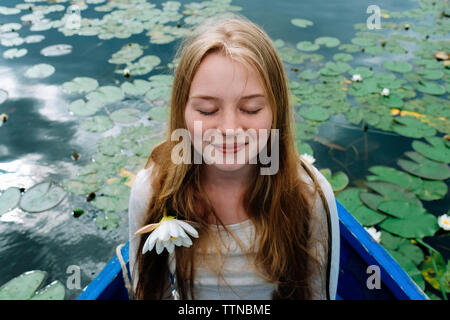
x: 229, y: 121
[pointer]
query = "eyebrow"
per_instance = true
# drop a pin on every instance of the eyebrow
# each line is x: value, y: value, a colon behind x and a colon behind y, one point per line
x: 206, y: 97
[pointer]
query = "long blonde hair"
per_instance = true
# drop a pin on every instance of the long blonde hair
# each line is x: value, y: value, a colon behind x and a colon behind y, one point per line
x: 276, y: 204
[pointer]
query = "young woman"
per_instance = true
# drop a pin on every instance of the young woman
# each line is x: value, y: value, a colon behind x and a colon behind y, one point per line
x: 245, y: 235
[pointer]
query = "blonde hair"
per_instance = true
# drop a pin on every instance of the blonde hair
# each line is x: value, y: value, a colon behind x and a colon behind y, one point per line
x: 276, y: 204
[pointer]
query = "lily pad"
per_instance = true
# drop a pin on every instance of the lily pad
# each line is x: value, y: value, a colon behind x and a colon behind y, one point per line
x: 41, y: 70
x: 329, y: 42
x: 308, y: 75
x: 400, y: 209
x: 125, y: 115
x: 398, y: 66
x: 338, y: 181
x: 54, y: 291
x: 82, y: 108
x: 429, y: 87
x: 391, y: 191
x: 80, y: 85
x: 14, y: 53
x: 307, y: 46
x: 143, y: 66
x: 429, y: 272
x: 302, y: 23
x: 9, y: 199
x: 106, y: 94
x: 436, y: 149
x: 403, y: 179
x: 127, y: 54
x: 97, y: 124
x: 409, y: 267
x: 42, y: 197
x: 409, y: 126
x: 56, y: 50
x: 159, y: 113
x: 315, y: 113
x: 424, y: 167
x: 23, y: 286
x: 432, y: 190
x: 138, y: 87
x: 419, y: 226
x: 370, y: 199
x: 107, y: 221
x: 349, y: 198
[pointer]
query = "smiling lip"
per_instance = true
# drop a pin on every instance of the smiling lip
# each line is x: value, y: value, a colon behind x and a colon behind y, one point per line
x: 230, y: 148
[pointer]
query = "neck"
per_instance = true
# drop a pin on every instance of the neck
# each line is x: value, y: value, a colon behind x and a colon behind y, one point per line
x: 226, y: 191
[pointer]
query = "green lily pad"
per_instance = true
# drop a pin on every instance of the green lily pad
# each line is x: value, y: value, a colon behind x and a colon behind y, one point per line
x: 308, y: 75
x: 367, y: 217
x: 80, y: 85
x: 128, y: 53
x: 371, y: 200
x: 160, y: 114
x: 343, y: 57
x: 106, y: 94
x: 429, y: 87
x: 54, y: 291
x: 302, y: 23
x: 409, y: 126
x: 56, y: 50
x: 82, y: 108
x: 432, y: 190
x: 423, y: 167
x: 400, y: 209
x: 398, y: 66
x: 307, y: 46
x: 315, y: 113
x: 303, y: 147
x: 431, y: 74
x: 338, y: 181
x: 391, y: 191
x: 418, y: 226
x: 395, y: 176
x: 39, y: 71
x: 364, y: 42
x: 109, y: 146
x: 108, y: 221
x: 97, y: 124
x: 42, y: 197
x: 138, y: 87
x: 349, y: 198
x: 14, y: 53
x: 143, y: 66
x: 329, y: 42
x: 125, y: 115
x: 9, y: 199
x: 436, y: 149
x: 393, y: 101
x: 23, y: 286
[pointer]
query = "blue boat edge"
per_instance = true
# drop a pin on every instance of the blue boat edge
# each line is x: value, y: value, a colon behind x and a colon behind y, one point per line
x: 109, y: 283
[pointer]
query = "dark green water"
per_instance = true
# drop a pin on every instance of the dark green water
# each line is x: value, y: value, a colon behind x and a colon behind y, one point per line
x: 37, y: 141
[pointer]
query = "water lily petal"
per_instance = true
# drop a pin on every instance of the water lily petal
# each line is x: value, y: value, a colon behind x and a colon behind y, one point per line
x: 189, y: 229
x: 150, y: 242
x: 170, y: 246
x: 147, y: 228
x: 164, y: 230
x: 159, y: 246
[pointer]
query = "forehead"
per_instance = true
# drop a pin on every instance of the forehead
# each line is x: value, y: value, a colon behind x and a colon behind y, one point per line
x: 221, y: 77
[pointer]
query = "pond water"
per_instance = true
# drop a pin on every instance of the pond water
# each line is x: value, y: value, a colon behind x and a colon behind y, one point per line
x: 44, y: 128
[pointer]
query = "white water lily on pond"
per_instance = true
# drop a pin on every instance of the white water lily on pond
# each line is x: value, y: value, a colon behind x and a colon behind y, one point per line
x: 385, y: 92
x: 168, y: 233
x: 444, y: 222
x: 374, y: 233
x: 308, y: 158
x: 356, y: 78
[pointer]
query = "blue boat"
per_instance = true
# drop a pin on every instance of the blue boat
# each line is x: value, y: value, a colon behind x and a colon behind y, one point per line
x: 358, y: 250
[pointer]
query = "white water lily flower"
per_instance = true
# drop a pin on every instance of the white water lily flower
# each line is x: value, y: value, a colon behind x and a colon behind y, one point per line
x: 373, y: 232
x: 356, y: 77
x: 444, y: 222
x: 168, y: 233
x: 308, y: 158
x: 385, y: 92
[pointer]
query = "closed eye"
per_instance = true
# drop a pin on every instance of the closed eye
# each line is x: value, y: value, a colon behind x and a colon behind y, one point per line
x: 251, y: 111
x: 206, y: 113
